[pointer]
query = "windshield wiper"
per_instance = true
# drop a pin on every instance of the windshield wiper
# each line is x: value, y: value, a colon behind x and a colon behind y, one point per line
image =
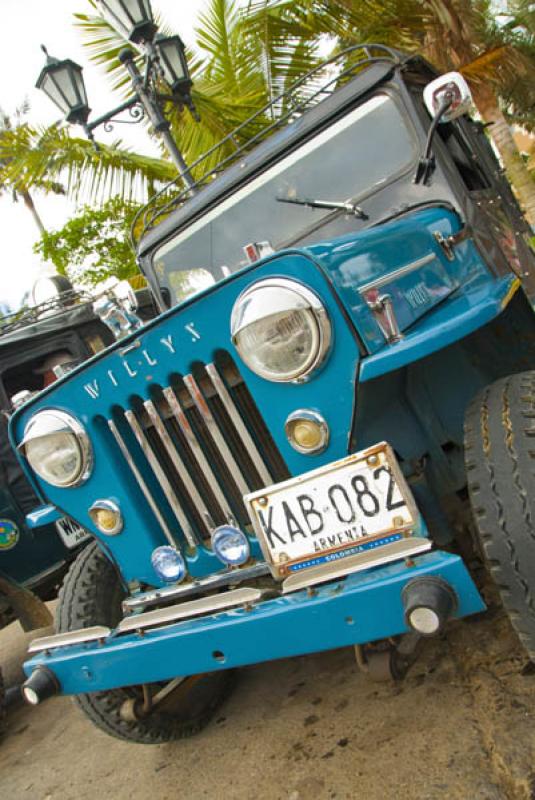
x: 349, y: 208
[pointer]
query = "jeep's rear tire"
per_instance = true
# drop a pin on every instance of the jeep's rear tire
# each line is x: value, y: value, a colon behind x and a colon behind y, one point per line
x: 92, y: 595
x: 500, y: 466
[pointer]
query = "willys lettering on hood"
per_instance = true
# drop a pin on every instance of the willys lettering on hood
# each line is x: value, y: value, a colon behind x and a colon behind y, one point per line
x: 130, y: 368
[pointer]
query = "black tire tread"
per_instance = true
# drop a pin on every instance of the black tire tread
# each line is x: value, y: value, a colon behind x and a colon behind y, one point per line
x: 91, y: 595
x: 500, y: 466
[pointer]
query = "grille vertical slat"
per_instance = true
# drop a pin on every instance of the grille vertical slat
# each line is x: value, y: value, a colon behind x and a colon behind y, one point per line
x: 167, y: 489
x: 140, y: 482
x: 196, y: 449
x: 178, y: 463
x: 206, y: 445
x: 214, y: 431
x: 237, y: 421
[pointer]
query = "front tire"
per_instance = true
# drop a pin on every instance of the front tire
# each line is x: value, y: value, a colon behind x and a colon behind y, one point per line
x: 500, y: 465
x: 91, y: 595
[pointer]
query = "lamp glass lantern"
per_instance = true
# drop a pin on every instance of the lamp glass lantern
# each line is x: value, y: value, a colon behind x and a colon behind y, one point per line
x: 133, y: 19
x: 63, y: 82
x: 172, y: 57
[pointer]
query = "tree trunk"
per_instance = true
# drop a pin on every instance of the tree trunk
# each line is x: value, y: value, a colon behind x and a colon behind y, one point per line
x: 28, y: 202
x: 515, y: 167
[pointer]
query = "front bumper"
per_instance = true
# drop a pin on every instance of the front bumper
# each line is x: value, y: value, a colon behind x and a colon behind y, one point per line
x: 363, y: 607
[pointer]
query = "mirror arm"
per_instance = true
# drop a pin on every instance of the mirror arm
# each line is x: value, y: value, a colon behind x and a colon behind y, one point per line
x: 426, y: 164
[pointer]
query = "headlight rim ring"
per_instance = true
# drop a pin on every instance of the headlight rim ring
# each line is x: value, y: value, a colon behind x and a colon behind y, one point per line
x: 310, y: 302
x: 70, y: 424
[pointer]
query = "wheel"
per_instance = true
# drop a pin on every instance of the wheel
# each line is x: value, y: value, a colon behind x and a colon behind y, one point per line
x: 500, y: 466
x: 92, y: 595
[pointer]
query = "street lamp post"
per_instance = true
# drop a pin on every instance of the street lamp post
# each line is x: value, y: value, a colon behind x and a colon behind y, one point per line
x: 165, y: 63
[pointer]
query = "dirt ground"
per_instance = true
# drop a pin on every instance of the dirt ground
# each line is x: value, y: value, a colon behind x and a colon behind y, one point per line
x: 461, y: 725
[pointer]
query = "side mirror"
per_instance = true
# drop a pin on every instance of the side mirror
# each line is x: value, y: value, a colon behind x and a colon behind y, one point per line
x: 452, y: 86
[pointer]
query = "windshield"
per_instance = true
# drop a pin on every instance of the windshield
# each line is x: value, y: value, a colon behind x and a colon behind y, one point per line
x: 352, y: 158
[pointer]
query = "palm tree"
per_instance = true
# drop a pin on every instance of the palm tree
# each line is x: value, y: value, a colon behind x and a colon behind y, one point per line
x: 49, y: 160
x: 20, y: 189
x: 498, y: 59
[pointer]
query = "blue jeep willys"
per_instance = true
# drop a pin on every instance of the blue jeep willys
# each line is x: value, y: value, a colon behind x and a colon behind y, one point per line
x: 290, y: 459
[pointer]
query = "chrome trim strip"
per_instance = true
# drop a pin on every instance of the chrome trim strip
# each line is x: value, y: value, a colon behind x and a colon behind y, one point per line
x: 177, y: 461
x: 141, y: 482
x: 71, y: 637
x: 238, y: 423
x: 162, y: 477
x: 398, y: 273
x: 215, y: 433
x: 229, y: 578
x: 205, y: 605
x: 346, y: 566
x: 197, y: 451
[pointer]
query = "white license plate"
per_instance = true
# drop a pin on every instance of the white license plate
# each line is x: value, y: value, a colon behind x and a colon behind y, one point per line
x: 359, y: 503
x: 70, y: 532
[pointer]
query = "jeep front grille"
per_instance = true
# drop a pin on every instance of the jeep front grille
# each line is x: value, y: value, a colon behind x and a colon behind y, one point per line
x: 202, y: 443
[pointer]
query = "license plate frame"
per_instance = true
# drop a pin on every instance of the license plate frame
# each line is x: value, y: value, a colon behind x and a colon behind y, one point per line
x: 74, y: 534
x: 377, y: 459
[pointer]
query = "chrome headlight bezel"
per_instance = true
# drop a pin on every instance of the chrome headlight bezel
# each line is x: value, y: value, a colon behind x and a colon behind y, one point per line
x: 286, y: 295
x: 49, y: 421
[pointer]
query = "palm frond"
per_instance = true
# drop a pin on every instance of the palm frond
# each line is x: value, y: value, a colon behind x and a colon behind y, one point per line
x: 51, y: 160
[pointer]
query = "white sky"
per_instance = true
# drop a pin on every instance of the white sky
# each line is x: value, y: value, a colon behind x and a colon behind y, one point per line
x: 27, y: 24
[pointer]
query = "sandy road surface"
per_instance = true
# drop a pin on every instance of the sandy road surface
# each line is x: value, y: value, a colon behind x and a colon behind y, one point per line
x: 460, y: 726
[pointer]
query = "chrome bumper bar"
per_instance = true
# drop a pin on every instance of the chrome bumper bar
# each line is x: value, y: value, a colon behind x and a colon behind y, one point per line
x: 231, y: 577
x: 151, y: 619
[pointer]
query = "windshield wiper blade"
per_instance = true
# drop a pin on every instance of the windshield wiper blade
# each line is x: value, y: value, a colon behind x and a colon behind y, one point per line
x: 349, y: 208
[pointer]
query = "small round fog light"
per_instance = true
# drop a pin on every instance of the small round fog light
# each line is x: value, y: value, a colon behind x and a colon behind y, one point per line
x: 168, y: 564
x: 230, y: 545
x: 107, y: 517
x: 307, y: 431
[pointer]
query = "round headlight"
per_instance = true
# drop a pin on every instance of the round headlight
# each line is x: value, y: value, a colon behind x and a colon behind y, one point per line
x: 230, y: 545
x: 57, y: 448
x: 280, y: 329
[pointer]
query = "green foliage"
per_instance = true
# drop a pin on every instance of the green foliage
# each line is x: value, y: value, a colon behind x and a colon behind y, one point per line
x: 94, y: 244
x: 51, y: 160
x: 488, y: 42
